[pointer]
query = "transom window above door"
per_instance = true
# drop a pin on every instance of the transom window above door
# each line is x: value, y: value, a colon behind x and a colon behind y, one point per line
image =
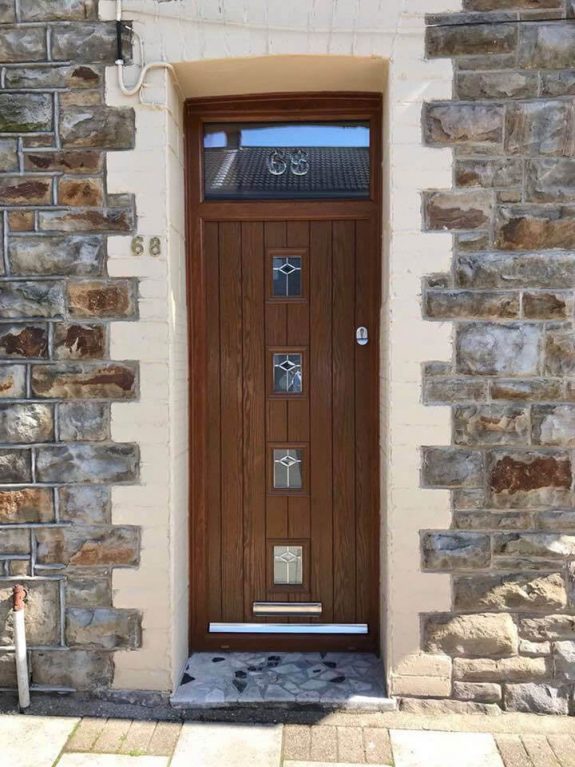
x: 266, y: 161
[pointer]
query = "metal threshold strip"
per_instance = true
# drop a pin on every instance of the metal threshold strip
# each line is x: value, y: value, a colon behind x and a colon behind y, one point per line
x: 288, y: 628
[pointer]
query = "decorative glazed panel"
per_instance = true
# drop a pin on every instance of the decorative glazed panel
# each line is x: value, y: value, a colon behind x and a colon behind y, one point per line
x: 288, y: 565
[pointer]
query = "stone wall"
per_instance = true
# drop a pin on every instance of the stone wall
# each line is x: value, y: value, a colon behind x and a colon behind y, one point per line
x: 511, y: 383
x: 57, y: 381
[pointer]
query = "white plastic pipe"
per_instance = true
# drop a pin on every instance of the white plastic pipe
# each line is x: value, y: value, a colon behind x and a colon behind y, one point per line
x: 20, y: 645
x: 134, y: 89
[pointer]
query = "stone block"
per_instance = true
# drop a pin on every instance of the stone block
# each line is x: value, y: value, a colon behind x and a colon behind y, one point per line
x: 27, y: 504
x: 26, y: 423
x: 564, y: 656
x: 434, y: 707
x: 25, y: 190
x: 97, y: 463
x: 422, y: 686
x: 451, y: 467
x: 515, y: 669
x: 78, y: 669
x: 531, y: 227
x: 64, y: 162
x: 35, y: 255
x: 490, y: 349
x: 491, y: 425
x: 496, y: 85
x: 468, y: 499
x: 12, y: 381
x: 21, y: 220
x: 424, y: 664
x: 547, y: 305
x: 557, y: 521
x: 534, y: 649
x: 22, y: 44
x: 530, y: 478
x: 455, y: 550
x: 546, y: 46
x: 560, y: 83
x: 7, y: 659
x: 492, y: 520
x: 58, y: 10
x: 88, y: 591
x: 550, y: 180
x: 481, y: 692
x: 8, y: 155
x: 515, y: 270
x: 31, y: 299
x: 446, y: 124
x: 83, y: 421
x: 80, y: 192
x: 106, y: 380
x: 468, y: 304
x: 79, y: 342
x: 42, y: 615
x: 75, y: 76
x: 85, y: 505
x: 92, y: 42
x: 553, y: 425
x: 457, y: 209
x: 536, y: 389
x: 101, y: 298
x: 103, y: 628
x: 534, y: 698
x: 471, y: 242
x: 14, y: 541
x: 98, y: 126
x: 510, y: 592
x: 488, y: 634
x: 540, y: 128
x: 90, y: 220
x: 560, y: 353
x: 448, y: 390
x: 7, y: 16
x: 470, y: 40
x: 25, y: 113
x: 548, y: 628
x: 549, y: 545
x: 23, y: 341
x: 15, y: 466
x: 489, y: 174
x: 88, y: 546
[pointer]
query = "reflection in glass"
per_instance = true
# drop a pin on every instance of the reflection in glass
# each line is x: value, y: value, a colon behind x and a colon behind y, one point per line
x: 288, y: 565
x: 287, y: 468
x: 297, y: 160
x: 286, y: 276
x: 287, y: 373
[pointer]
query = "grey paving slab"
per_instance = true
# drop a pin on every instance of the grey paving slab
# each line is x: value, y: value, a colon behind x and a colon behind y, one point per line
x: 27, y: 741
x: 216, y: 745
x: 296, y: 741
x: 164, y: 739
x: 377, y: 746
x: 564, y: 749
x: 540, y: 752
x: 413, y: 748
x: 85, y: 734
x: 112, y: 736
x: 512, y: 751
x: 111, y: 760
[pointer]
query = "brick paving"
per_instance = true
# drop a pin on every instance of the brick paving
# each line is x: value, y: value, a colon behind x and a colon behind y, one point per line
x: 523, y: 741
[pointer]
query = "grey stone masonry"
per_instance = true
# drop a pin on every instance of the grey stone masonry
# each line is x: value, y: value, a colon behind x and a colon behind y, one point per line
x: 57, y: 381
x: 510, y: 384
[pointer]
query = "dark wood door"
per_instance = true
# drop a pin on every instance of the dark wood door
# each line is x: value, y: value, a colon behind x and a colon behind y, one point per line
x: 284, y: 420
x: 291, y: 424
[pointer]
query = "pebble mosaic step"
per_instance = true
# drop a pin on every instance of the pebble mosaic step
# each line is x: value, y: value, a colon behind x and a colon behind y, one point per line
x: 342, y: 680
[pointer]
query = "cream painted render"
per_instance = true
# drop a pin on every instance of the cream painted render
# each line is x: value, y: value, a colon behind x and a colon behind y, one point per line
x: 252, y: 46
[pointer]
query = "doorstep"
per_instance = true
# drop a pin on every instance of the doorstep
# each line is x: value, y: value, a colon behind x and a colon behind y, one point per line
x: 352, y: 681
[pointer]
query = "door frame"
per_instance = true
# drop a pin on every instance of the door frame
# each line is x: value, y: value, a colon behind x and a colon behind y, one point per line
x: 275, y: 107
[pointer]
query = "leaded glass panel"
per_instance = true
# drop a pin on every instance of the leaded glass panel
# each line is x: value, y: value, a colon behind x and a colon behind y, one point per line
x: 287, y: 474
x: 287, y: 281
x: 287, y: 373
x: 288, y: 565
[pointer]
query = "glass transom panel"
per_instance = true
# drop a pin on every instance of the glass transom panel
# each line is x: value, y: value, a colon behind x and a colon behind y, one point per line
x: 287, y: 474
x: 288, y: 565
x: 288, y: 374
x: 286, y: 276
x: 299, y: 160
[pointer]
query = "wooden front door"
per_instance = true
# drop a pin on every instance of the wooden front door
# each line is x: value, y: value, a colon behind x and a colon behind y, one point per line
x: 284, y: 467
